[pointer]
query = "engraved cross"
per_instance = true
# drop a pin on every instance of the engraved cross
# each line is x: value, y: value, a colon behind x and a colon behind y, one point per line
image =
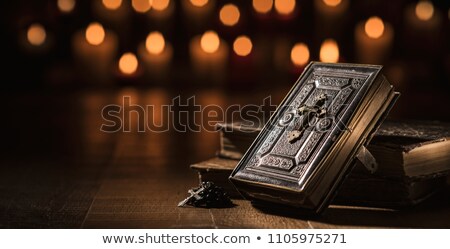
x: 318, y: 110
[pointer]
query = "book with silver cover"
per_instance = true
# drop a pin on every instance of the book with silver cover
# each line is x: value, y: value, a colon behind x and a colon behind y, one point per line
x: 305, y: 150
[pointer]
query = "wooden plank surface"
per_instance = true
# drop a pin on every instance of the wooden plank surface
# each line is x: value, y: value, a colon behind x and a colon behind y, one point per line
x: 57, y: 170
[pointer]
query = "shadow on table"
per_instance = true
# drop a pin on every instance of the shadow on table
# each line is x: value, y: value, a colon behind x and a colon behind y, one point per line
x: 432, y: 213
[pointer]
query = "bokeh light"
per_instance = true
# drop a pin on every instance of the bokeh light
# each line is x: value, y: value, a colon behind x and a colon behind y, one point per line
x: 262, y: 6
x: 424, y: 10
x: 300, y: 54
x: 329, y: 51
x: 242, y: 46
x: 160, y: 5
x: 199, y: 3
x: 229, y: 14
x: 210, y: 42
x: 66, y: 6
x: 155, y: 43
x: 128, y: 63
x: 95, y: 33
x: 141, y: 6
x: 284, y: 7
x: 36, y: 34
x: 374, y: 27
x: 112, y: 4
x: 332, y: 3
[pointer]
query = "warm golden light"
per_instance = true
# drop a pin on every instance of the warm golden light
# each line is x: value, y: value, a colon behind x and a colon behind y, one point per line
x: 155, y: 43
x: 95, y: 34
x: 112, y: 4
x: 242, y: 46
x: 374, y: 27
x: 285, y: 7
x: 36, y: 34
x: 160, y: 5
x: 199, y: 3
x: 128, y: 63
x: 329, y: 51
x: 66, y: 5
x: 210, y: 42
x: 262, y: 6
x: 141, y: 6
x: 229, y: 14
x: 332, y: 3
x: 300, y: 54
x: 424, y: 10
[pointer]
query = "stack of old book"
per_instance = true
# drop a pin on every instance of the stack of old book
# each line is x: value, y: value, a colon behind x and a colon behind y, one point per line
x: 413, y: 160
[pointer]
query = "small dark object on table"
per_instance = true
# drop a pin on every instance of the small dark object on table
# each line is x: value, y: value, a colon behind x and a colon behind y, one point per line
x: 207, y: 195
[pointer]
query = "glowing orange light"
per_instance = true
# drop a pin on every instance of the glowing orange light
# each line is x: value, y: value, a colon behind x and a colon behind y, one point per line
x: 155, y: 43
x: 66, y: 5
x: 424, y: 10
x: 210, y: 42
x: 229, y: 14
x: 160, y: 5
x: 329, y: 51
x: 285, y: 7
x: 262, y: 6
x: 300, y: 54
x: 112, y: 4
x: 374, y: 27
x: 332, y: 3
x: 36, y: 34
x: 141, y: 6
x: 128, y: 63
x: 242, y: 46
x: 95, y: 34
x: 199, y: 3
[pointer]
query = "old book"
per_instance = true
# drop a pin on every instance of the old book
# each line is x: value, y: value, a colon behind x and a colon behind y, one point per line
x: 359, y: 188
x: 390, y: 186
x: 363, y: 189
x: 412, y: 149
x: 407, y: 148
x: 304, y: 152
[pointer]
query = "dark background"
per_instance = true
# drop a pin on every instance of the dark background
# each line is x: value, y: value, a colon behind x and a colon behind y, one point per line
x: 58, y: 170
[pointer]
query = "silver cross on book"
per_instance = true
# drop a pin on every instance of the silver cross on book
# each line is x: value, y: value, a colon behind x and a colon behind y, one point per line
x: 305, y: 150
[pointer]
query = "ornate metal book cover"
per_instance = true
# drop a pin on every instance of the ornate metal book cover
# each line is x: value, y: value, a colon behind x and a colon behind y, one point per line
x: 303, y: 153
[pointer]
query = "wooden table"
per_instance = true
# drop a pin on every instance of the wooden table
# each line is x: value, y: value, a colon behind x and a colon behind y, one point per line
x: 59, y: 171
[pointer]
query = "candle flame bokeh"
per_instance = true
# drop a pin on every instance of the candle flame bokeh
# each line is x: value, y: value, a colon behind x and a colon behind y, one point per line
x: 36, y: 34
x: 332, y: 3
x: 95, y: 34
x: 242, y: 46
x: 284, y: 7
x: 66, y: 6
x: 374, y: 27
x: 199, y: 3
x: 210, y: 42
x: 112, y: 4
x: 424, y: 10
x: 329, y: 51
x: 141, y: 6
x: 160, y: 5
x: 155, y: 43
x: 262, y: 6
x: 128, y: 63
x: 229, y: 15
x: 300, y: 54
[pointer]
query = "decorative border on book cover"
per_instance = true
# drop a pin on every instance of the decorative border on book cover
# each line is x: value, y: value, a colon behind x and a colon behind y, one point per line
x: 278, y: 157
